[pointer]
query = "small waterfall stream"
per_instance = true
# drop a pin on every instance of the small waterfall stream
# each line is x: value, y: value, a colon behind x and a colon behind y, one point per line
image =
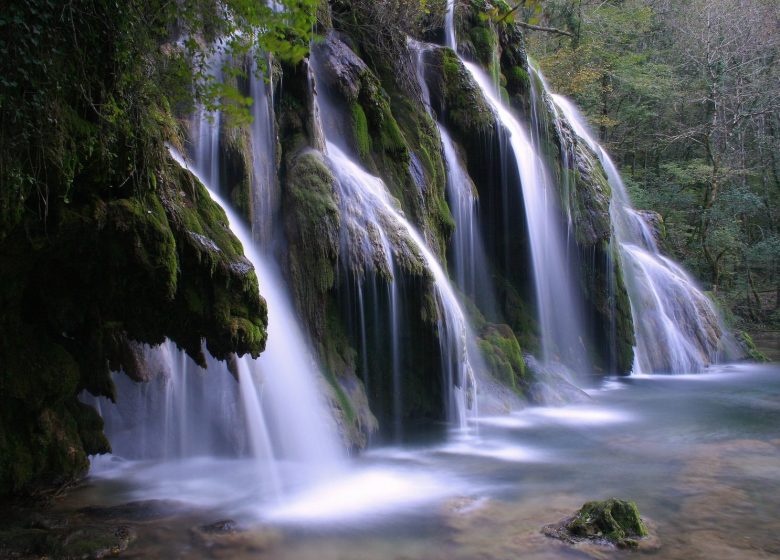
x: 265, y: 198
x: 469, y: 263
x: 676, y: 326
x: 285, y: 376
x: 370, y: 195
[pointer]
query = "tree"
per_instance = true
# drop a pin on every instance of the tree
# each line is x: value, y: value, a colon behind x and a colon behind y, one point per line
x: 686, y: 95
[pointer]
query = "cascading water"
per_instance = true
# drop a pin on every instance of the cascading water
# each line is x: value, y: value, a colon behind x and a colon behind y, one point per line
x: 276, y: 411
x: 677, y: 328
x: 205, y: 126
x: 287, y: 367
x: 286, y: 374
x: 265, y: 198
x: 450, y: 40
x: 559, y: 309
x: 469, y: 263
x: 560, y: 315
x: 463, y: 203
x: 374, y: 235
x: 368, y: 195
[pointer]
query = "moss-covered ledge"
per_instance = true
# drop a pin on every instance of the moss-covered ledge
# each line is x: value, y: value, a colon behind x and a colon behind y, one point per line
x: 100, y: 271
x: 457, y: 99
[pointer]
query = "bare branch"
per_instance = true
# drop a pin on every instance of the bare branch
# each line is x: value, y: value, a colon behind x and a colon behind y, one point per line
x: 534, y: 27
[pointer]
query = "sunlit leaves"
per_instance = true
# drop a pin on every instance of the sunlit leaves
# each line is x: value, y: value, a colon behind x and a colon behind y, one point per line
x: 237, y: 29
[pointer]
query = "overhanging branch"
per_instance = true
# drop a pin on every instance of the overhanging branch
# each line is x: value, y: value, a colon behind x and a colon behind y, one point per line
x: 534, y: 27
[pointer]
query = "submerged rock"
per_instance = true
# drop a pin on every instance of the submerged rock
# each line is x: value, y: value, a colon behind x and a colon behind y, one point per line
x: 225, y: 539
x: 611, y: 521
x: 90, y: 541
x: 145, y: 510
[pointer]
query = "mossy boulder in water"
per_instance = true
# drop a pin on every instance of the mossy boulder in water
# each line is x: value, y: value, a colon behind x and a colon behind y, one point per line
x: 613, y: 521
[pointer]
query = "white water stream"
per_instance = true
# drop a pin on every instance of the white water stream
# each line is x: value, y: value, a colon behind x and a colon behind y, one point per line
x: 677, y: 328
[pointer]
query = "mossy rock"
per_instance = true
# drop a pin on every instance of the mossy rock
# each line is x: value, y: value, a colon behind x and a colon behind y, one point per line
x: 142, y: 267
x: 457, y: 98
x: 590, y: 199
x: 235, y: 153
x: 312, y: 223
x: 104, y: 238
x: 503, y: 356
x: 749, y: 347
x: 497, y: 44
x: 391, y: 134
x: 611, y: 521
x: 484, y: 45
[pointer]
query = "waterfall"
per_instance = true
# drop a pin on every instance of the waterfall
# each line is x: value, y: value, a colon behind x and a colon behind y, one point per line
x: 180, y: 412
x: 377, y: 237
x: 286, y: 371
x: 367, y: 195
x: 469, y: 262
x: 450, y: 40
x: 560, y: 315
x: 677, y: 328
x: 558, y: 304
x: 265, y: 199
x: 276, y: 411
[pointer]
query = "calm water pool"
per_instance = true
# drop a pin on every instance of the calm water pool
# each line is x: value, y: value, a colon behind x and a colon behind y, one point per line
x: 700, y: 454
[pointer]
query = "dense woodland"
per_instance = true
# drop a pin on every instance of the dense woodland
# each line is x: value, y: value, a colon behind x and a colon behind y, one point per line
x: 686, y: 96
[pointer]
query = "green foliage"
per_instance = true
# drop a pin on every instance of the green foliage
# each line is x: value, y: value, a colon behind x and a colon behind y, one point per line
x: 692, y: 121
x: 82, y: 84
x: 360, y: 131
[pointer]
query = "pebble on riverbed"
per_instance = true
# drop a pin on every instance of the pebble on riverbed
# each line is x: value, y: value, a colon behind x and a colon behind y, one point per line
x: 612, y: 521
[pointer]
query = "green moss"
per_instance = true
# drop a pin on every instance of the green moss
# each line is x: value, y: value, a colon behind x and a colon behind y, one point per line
x: 427, y: 203
x: 348, y: 396
x: 750, y: 347
x: 517, y: 79
x: 235, y: 153
x: 517, y: 313
x: 458, y: 98
x: 503, y: 356
x: 484, y: 42
x: 590, y: 199
x: 624, y: 320
x: 614, y: 520
x: 360, y: 131
x: 145, y: 266
x: 443, y: 215
x: 390, y: 135
x: 312, y: 222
